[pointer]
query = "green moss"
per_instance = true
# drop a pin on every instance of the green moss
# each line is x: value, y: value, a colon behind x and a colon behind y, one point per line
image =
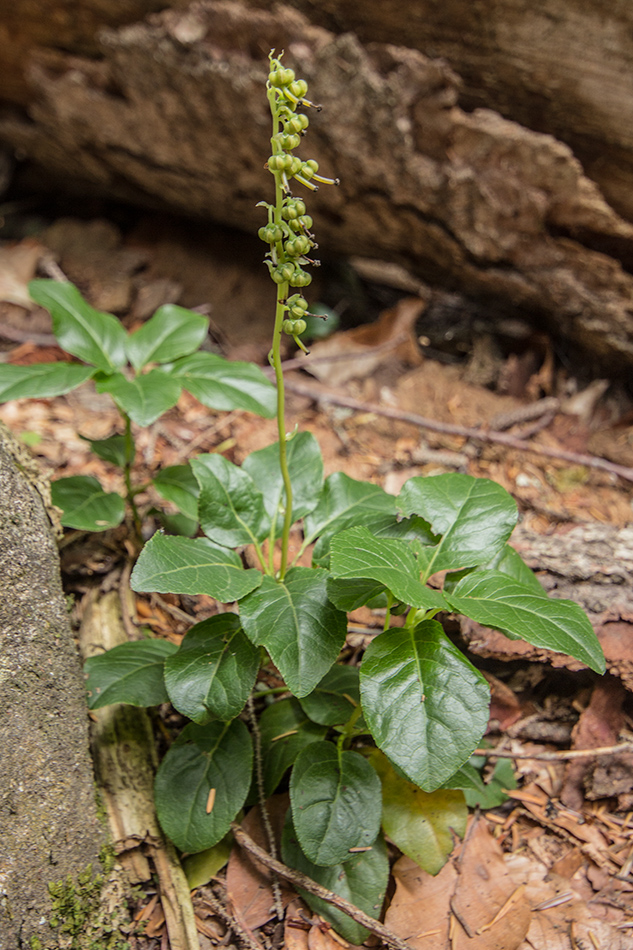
x: 77, y: 915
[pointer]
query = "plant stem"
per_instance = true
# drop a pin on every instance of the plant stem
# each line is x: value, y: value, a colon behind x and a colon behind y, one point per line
x: 275, y: 360
x: 130, y: 452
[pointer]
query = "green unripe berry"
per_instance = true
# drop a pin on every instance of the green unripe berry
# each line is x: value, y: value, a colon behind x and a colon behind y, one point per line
x: 294, y: 327
x: 293, y: 208
x: 297, y: 246
x: 283, y: 272
x: 280, y: 77
x: 270, y: 233
x: 300, y: 278
x: 297, y: 124
x: 298, y: 88
x: 297, y: 301
x: 299, y: 225
x: 288, y: 141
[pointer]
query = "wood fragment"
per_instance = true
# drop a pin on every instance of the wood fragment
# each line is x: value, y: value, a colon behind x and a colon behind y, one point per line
x: 300, y: 880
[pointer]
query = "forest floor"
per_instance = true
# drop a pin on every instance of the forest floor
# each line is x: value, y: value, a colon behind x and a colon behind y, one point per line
x: 559, y: 849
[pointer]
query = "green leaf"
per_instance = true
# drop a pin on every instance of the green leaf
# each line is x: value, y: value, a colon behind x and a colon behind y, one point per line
x: 173, y: 565
x: 426, y: 705
x: 474, y: 517
x: 41, y: 380
x: 216, y: 756
x: 200, y: 868
x: 354, y: 592
x: 305, y: 466
x: 295, y: 621
x: 213, y: 671
x: 493, y: 791
x: 130, y: 673
x: 115, y: 449
x: 230, y: 507
x: 362, y: 881
x: 176, y: 523
x: 335, y: 698
x: 357, y: 553
x: 336, y: 803
x: 226, y: 384
x: 285, y: 730
x: 466, y: 779
x: 92, y: 336
x: 422, y: 824
x: 512, y: 564
x: 345, y: 502
x: 85, y: 504
x: 170, y: 333
x: 143, y: 398
x: 178, y: 484
x: 496, y: 600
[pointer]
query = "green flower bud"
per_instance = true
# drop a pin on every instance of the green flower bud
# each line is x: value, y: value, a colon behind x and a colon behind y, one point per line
x: 300, y: 327
x: 279, y: 77
x: 299, y: 225
x: 283, y: 273
x: 298, y: 88
x: 294, y: 327
x: 297, y: 124
x: 297, y: 246
x: 300, y: 278
x: 309, y: 169
x: 297, y: 301
x: 293, y: 208
x: 270, y: 234
x: 288, y: 141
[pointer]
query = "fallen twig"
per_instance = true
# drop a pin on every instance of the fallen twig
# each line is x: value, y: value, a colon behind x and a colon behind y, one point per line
x: 300, y: 880
x: 449, y: 428
x: 565, y: 756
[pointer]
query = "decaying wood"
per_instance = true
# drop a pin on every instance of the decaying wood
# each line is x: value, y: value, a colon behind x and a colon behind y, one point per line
x: 49, y: 829
x: 173, y: 115
x: 125, y: 765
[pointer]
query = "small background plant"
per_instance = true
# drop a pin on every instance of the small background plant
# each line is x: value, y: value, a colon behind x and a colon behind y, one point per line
x: 383, y: 748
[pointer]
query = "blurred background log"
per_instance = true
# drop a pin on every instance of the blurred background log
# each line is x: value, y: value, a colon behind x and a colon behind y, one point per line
x: 169, y: 113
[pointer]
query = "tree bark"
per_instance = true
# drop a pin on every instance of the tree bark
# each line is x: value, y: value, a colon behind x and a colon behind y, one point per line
x: 48, y: 819
x: 174, y: 116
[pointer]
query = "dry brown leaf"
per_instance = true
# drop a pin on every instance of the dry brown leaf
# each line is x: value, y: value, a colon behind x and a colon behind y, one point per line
x: 472, y: 893
x: 17, y: 268
x: 248, y: 883
x: 393, y: 326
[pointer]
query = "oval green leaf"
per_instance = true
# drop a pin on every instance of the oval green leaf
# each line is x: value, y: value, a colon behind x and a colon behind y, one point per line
x: 230, y: 507
x: 357, y: 553
x: 172, y: 332
x: 130, y: 673
x: 143, y: 398
x: 41, y: 380
x: 85, y: 505
x: 335, y: 698
x: 92, y: 336
x: 178, y: 484
x: 173, y: 565
x: 474, y: 516
x: 226, y: 384
x: 298, y: 625
x: 496, y: 600
x: 285, y: 730
x: 422, y: 824
x: 336, y: 803
x: 213, y: 671
x: 305, y: 466
x: 426, y: 705
x: 362, y: 881
x: 217, y: 756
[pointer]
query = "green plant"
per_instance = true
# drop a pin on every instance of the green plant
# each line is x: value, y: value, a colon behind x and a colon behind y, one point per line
x: 144, y: 373
x: 387, y: 745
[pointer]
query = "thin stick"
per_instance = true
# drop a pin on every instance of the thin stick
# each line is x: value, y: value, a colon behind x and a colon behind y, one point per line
x: 565, y: 756
x: 234, y: 926
x: 259, y: 776
x: 449, y: 428
x: 300, y: 880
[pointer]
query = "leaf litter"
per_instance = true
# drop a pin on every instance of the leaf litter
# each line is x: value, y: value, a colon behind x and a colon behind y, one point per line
x: 552, y: 867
